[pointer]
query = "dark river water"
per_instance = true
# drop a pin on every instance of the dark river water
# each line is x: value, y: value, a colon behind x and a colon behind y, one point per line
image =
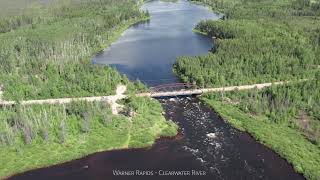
x: 147, y: 51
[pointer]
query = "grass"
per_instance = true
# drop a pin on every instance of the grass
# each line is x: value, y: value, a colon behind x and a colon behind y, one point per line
x: 199, y: 32
x: 104, y: 132
x: 287, y: 142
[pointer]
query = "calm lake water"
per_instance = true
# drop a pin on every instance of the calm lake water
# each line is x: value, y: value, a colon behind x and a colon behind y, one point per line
x: 147, y: 51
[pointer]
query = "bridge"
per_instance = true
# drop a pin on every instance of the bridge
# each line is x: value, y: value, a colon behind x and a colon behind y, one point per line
x: 187, y: 89
x: 165, y: 90
x: 175, y: 89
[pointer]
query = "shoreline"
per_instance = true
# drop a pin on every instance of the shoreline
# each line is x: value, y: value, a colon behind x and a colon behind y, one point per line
x: 117, y: 33
x: 125, y: 147
x: 147, y: 147
x: 251, y: 125
x: 299, y: 152
x: 250, y: 132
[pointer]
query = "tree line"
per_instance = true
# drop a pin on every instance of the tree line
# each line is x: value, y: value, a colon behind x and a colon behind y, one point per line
x: 251, y: 46
x: 265, y: 41
x: 42, y: 135
x: 47, y: 52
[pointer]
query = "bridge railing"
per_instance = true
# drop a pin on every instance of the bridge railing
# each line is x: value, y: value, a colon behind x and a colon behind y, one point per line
x: 173, y: 87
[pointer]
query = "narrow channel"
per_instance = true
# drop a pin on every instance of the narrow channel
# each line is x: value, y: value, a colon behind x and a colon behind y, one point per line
x: 146, y: 52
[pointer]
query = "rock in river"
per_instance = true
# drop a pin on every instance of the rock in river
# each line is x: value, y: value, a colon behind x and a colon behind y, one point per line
x: 212, y: 135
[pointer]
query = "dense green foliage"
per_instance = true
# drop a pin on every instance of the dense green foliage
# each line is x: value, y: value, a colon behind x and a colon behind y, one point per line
x: 287, y: 142
x: 265, y: 41
x: 35, y: 136
x: 257, y: 41
x: 285, y: 118
x: 45, y: 52
x: 296, y: 105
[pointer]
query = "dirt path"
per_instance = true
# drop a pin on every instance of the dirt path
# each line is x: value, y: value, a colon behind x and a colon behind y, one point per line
x: 112, y: 100
x: 121, y: 89
x: 221, y: 89
x: 1, y: 92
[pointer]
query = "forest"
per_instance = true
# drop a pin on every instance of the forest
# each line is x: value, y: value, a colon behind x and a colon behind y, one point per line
x: 256, y: 42
x: 295, y: 105
x: 46, y: 50
x: 289, y: 138
x: 284, y: 118
x: 42, y: 135
x: 265, y: 41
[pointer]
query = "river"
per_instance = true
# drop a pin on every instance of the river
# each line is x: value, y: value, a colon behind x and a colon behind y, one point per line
x: 147, y: 51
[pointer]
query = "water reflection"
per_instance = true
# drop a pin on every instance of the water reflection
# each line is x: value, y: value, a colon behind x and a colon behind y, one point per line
x: 147, y: 51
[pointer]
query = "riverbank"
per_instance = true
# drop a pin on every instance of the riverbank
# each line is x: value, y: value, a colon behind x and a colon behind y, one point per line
x: 53, y: 134
x: 51, y: 57
x: 257, y: 43
x: 252, y: 47
x: 287, y: 142
x: 200, y: 32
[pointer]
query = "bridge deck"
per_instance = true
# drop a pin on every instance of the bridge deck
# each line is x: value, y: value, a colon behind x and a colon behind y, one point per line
x: 207, y: 90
